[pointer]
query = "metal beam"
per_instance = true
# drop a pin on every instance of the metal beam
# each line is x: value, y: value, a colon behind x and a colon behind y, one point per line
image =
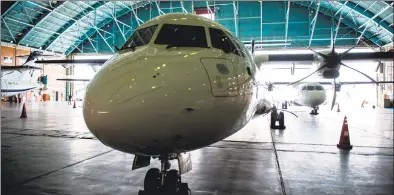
x: 61, y: 14
x: 314, y: 22
x: 104, y: 22
x: 261, y: 21
x: 105, y: 40
x: 377, y: 14
x: 373, y: 19
x: 183, y: 8
x: 136, y: 17
x: 22, y: 35
x: 115, y: 20
x: 9, y: 30
x: 337, y: 28
x: 339, y: 10
x: 287, y: 20
x: 108, y: 13
x: 361, y: 35
x: 68, y: 25
x: 158, y: 8
x: 390, y: 15
x: 235, y: 18
x: 31, y: 25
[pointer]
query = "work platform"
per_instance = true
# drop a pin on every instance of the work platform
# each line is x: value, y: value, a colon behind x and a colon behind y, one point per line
x: 52, y: 152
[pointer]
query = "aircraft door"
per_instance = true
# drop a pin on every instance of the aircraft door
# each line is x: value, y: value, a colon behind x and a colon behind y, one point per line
x: 222, y: 76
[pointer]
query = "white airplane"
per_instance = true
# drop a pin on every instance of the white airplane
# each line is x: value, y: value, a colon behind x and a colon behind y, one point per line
x: 181, y: 82
x: 308, y: 94
x: 16, y: 80
x: 14, y: 83
x: 19, y: 79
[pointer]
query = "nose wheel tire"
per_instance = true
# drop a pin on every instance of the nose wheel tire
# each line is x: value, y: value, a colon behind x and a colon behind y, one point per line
x: 172, y: 182
x: 281, y: 120
x: 152, y: 182
x: 314, y: 111
x: 273, y: 119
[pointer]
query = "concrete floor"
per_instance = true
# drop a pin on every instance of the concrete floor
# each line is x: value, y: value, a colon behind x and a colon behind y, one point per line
x: 52, y: 152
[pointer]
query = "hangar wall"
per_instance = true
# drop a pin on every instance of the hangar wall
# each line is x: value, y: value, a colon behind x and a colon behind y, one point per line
x: 8, y: 54
x: 385, y: 93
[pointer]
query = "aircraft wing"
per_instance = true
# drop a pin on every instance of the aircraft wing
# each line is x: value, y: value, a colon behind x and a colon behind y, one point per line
x: 357, y: 82
x: 91, y: 62
x: 342, y: 83
x: 70, y: 79
x: 306, y: 59
x: 19, y: 68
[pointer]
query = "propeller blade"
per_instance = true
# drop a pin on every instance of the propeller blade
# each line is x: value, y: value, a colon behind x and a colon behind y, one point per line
x: 316, y: 52
x: 308, y: 75
x: 335, y: 95
x: 289, y: 112
x: 360, y: 73
x: 332, y: 35
x: 348, y: 94
x: 347, y: 51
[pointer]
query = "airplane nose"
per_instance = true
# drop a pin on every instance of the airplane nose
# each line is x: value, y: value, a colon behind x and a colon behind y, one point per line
x: 150, y: 98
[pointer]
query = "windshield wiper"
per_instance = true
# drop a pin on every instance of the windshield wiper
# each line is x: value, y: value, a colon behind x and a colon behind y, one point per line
x: 123, y: 48
x: 173, y: 45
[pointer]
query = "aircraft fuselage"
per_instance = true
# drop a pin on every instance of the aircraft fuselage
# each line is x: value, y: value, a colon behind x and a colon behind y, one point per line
x: 157, y: 100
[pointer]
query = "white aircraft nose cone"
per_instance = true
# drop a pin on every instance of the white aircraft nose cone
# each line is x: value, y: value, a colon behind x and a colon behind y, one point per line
x: 145, y: 105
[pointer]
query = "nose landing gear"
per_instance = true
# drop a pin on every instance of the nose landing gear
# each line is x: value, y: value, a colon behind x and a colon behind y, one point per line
x: 284, y: 105
x: 164, y: 182
x: 277, y: 117
x: 314, y: 110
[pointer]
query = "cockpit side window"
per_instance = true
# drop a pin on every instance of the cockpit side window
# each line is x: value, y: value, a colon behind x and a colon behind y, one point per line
x: 182, y: 35
x: 140, y: 37
x: 221, y: 41
x: 303, y: 88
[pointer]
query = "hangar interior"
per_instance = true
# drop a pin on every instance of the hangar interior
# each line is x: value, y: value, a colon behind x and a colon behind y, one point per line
x: 75, y: 29
x: 95, y: 30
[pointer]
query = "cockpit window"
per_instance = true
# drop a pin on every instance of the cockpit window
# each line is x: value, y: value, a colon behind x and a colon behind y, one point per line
x: 303, y: 88
x: 221, y: 41
x: 182, y: 35
x: 310, y: 88
x: 140, y: 37
x: 319, y: 88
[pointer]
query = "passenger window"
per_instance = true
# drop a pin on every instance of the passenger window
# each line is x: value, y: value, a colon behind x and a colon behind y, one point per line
x: 220, y: 41
x: 310, y: 88
x: 140, y: 37
x: 182, y: 35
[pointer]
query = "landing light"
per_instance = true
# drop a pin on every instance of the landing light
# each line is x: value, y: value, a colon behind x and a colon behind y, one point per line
x: 164, y: 65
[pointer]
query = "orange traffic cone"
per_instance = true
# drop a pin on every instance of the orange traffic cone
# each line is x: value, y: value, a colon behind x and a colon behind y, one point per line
x: 75, y: 106
x: 338, y: 110
x: 344, y: 140
x: 23, y: 115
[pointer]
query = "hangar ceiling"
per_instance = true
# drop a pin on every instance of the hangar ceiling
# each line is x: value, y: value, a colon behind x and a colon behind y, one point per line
x: 97, y: 26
